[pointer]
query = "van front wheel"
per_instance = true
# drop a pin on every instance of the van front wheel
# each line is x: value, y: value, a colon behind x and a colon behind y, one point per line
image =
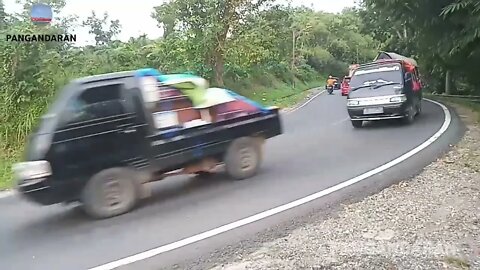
x: 110, y: 193
x: 357, y: 123
x: 410, y: 116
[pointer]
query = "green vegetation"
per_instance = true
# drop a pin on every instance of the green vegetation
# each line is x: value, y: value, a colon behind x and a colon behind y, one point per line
x: 473, y: 105
x: 270, y: 53
x: 442, y: 34
x: 458, y: 263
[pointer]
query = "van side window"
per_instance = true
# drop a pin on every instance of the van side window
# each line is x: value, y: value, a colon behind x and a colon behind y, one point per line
x: 95, y: 103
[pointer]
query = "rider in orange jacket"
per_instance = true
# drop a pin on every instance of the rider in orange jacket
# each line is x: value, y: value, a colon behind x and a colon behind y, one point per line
x: 331, y: 81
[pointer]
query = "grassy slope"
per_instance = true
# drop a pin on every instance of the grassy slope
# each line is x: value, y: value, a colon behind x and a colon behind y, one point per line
x: 278, y: 94
x: 460, y: 101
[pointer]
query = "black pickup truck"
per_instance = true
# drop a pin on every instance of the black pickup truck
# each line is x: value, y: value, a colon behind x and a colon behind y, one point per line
x: 99, y: 145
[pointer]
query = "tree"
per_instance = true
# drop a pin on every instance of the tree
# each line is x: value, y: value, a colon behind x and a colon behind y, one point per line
x: 3, y: 16
x: 209, y: 23
x: 166, y: 17
x: 101, y: 28
x: 442, y: 33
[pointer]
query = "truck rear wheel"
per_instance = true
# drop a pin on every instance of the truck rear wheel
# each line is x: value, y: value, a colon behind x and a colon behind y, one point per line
x: 110, y: 193
x: 243, y: 158
x: 204, y: 175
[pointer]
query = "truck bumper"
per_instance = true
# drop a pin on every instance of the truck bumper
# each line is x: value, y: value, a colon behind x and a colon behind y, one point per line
x: 37, y: 191
x: 33, y: 178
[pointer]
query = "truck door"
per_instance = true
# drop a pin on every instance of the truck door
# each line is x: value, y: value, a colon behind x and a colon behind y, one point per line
x: 96, y: 131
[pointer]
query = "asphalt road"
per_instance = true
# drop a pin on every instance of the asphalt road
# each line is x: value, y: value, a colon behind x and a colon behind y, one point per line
x: 319, y: 149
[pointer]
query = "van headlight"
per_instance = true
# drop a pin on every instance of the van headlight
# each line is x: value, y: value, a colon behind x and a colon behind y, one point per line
x: 353, y: 102
x: 398, y: 99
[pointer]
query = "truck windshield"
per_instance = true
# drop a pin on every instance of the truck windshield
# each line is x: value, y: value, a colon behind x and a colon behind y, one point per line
x: 47, y: 122
x: 378, y: 75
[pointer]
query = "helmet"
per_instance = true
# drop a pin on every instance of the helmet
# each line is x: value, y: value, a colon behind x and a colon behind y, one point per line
x: 330, y: 76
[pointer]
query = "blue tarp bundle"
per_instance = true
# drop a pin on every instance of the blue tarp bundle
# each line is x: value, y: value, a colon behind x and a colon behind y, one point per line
x: 165, y: 78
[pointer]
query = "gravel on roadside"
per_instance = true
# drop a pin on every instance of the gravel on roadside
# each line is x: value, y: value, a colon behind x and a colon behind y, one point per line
x: 429, y: 222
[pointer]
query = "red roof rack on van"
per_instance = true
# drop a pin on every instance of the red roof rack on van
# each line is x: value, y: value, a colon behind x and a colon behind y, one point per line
x: 408, y: 63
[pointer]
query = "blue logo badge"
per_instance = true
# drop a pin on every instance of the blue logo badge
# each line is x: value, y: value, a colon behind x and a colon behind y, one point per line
x: 41, y: 14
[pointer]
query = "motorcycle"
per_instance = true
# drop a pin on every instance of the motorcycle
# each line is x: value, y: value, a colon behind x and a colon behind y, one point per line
x: 330, y: 89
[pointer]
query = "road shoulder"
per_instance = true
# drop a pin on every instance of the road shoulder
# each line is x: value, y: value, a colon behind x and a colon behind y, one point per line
x: 310, y: 95
x: 429, y: 222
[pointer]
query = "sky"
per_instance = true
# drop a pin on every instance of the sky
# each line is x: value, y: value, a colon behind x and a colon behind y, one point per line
x: 135, y: 16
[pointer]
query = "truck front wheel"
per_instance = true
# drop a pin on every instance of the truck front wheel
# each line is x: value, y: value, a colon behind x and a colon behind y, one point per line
x: 204, y: 175
x: 110, y: 193
x: 243, y: 158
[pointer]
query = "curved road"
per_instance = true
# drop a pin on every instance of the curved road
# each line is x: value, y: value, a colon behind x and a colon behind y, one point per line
x: 319, y: 149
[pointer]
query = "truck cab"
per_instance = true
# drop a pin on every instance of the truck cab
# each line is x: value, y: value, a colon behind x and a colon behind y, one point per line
x: 101, y: 141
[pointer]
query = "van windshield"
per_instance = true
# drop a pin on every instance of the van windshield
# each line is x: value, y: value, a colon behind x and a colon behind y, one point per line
x: 377, y: 75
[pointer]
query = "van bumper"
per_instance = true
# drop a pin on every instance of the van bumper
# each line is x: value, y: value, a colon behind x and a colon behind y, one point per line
x: 390, y: 111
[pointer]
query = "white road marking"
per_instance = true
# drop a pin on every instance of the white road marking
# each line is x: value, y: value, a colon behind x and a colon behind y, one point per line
x: 6, y: 194
x: 242, y: 222
x: 305, y: 104
x: 341, y: 121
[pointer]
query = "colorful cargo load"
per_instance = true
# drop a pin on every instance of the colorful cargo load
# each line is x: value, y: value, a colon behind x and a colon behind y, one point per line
x: 186, y: 100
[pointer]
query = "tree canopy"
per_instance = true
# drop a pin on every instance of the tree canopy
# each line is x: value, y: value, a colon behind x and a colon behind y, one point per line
x: 241, y: 44
x: 443, y: 34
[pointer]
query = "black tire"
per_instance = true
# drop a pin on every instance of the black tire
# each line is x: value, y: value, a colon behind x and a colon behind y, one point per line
x: 204, y: 175
x: 243, y: 158
x: 419, y: 108
x: 357, y: 124
x: 121, y: 183
x: 410, y: 117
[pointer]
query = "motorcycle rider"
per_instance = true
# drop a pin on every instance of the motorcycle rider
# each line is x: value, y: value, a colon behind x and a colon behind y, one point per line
x: 331, y: 81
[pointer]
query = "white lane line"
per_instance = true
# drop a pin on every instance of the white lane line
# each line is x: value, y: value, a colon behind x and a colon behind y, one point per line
x: 6, y: 194
x: 341, y: 121
x: 239, y: 223
x: 305, y: 104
